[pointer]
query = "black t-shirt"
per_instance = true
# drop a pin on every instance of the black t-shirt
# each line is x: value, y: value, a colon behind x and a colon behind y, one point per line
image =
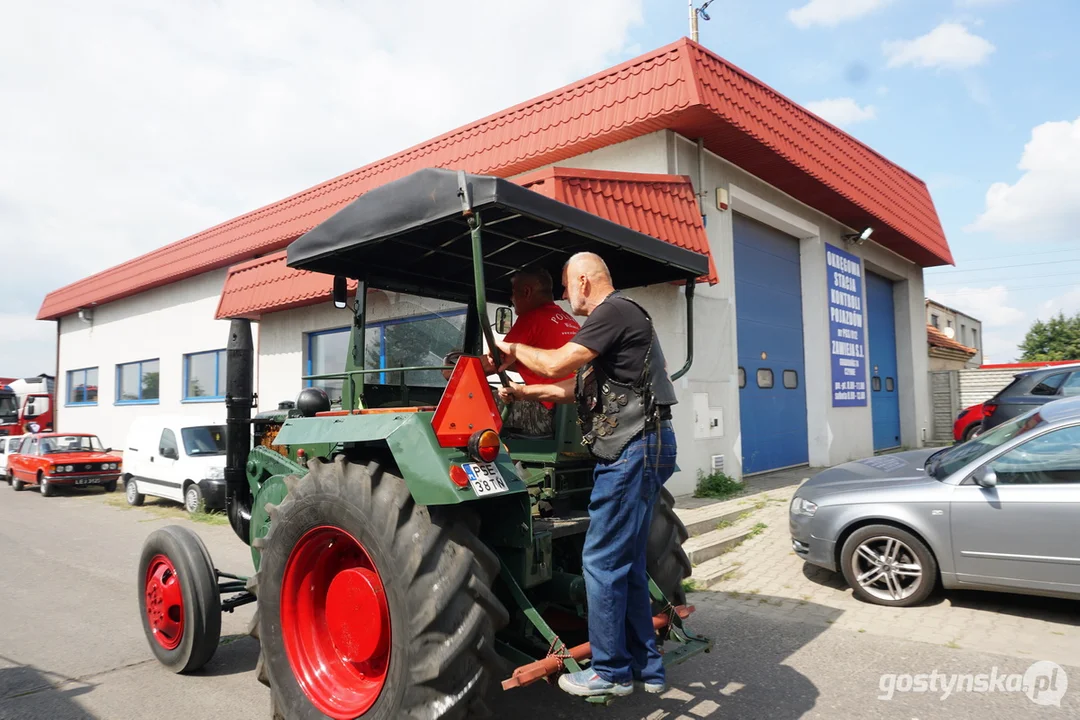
x: 620, y: 334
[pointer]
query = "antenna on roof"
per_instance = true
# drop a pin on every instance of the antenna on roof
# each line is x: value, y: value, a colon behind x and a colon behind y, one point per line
x: 694, y: 13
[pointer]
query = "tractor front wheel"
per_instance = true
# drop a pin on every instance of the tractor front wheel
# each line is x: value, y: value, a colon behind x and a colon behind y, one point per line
x: 179, y: 599
x: 371, y: 606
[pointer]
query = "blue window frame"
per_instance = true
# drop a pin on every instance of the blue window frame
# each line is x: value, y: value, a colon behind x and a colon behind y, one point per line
x: 82, y: 387
x: 138, y: 383
x: 204, y: 376
x: 400, y: 342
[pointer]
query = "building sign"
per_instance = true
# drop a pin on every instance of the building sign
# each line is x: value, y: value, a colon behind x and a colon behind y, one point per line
x: 847, y: 328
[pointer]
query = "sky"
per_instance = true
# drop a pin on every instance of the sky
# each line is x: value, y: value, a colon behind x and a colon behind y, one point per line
x: 129, y: 125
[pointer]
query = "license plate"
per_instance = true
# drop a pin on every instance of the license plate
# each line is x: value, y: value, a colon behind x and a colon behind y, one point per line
x: 485, y: 478
x: 86, y: 481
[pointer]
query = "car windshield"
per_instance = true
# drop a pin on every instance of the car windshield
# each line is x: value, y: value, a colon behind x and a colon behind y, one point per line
x: 71, y: 443
x: 205, y: 440
x: 945, y: 463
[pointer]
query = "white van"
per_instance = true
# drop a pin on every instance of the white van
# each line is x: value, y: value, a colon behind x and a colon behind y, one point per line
x: 9, y: 444
x: 177, y: 458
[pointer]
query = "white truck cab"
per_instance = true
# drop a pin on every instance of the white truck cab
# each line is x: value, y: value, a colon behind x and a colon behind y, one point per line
x: 178, y: 458
x: 9, y: 444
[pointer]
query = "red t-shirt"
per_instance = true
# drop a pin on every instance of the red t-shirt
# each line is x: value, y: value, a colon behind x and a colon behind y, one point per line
x: 547, y: 327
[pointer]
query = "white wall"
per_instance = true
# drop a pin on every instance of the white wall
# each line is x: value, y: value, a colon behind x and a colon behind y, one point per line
x: 165, y: 323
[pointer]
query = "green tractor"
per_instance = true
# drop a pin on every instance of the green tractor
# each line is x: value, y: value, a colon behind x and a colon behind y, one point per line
x: 411, y: 546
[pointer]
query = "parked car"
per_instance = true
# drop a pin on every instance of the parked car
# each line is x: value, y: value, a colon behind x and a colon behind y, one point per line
x: 50, y: 460
x: 1029, y: 390
x: 1000, y: 512
x: 8, y: 446
x: 177, y: 458
x: 968, y: 423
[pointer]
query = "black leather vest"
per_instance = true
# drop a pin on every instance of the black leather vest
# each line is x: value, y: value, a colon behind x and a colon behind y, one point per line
x: 612, y: 413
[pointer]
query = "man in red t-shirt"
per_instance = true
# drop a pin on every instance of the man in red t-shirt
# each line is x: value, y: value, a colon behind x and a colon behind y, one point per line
x: 540, y: 322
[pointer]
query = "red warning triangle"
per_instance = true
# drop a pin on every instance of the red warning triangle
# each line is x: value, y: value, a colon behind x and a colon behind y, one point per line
x: 467, y: 405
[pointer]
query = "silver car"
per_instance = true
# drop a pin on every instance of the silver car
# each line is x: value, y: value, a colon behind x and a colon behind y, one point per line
x: 999, y: 512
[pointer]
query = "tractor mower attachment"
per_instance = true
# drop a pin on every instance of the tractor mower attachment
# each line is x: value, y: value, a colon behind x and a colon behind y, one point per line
x: 407, y: 538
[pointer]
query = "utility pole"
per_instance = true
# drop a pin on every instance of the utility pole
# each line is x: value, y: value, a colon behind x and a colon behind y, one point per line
x: 694, y: 12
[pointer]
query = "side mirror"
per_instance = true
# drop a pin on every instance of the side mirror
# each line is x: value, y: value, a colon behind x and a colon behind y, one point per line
x: 341, y: 290
x: 504, y: 320
x: 985, y: 477
x: 31, y: 409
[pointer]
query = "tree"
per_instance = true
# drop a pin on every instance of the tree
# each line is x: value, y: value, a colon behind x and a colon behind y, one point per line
x: 1056, y: 339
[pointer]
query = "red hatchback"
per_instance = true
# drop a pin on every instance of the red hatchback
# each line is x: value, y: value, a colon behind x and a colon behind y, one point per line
x: 69, y: 459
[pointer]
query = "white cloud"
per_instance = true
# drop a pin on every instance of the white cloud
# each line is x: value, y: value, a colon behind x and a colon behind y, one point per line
x: 1068, y: 303
x: 949, y: 46
x: 1003, y: 323
x: 842, y: 111
x: 832, y: 12
x: 1042, y: 204
x: 131, y: 125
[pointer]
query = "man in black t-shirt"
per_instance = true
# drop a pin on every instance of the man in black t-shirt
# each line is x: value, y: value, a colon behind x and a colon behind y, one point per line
x: 614, y: 342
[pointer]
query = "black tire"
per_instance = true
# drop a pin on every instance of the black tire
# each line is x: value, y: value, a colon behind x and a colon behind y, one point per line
x: 17, y: 485
x: 193, y: 498
x: 7, y: 476
x: 437, y: 580
x: 915, y: 551
x: 110, y: 486
x: 47, y: 490
x: 131, y: 492
x: 972, y: 430
x: 201, y: 600
x: 667, y: 562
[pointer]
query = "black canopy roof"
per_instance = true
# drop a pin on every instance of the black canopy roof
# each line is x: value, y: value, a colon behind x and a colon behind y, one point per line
x: 412, y: 235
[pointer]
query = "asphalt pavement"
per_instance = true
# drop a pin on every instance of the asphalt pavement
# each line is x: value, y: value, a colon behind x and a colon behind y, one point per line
x: 72, y: 647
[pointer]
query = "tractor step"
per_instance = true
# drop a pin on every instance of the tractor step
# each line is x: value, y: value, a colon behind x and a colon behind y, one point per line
x: 563, y: 526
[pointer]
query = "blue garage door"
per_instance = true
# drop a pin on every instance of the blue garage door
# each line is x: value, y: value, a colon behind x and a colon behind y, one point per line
x: 884, y: 386
x: 768, y: 305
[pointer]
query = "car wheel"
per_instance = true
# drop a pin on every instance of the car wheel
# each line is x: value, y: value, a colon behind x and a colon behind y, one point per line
x: 973, y: 431
x: 17, y: 485
x: 131, y: 491
x: 110, y: 486
x: 47, y: 490
x: 885, y: 565
x: 193, y: 499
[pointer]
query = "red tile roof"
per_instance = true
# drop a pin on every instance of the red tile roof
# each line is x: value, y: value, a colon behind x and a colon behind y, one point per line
x: 663, y: 206
x: 682, y: 87
x: 936, y: 338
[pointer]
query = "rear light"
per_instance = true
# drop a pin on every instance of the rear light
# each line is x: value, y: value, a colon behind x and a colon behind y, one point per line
x: 484, y: 446
x: 459, y: 476
x: 988, y: 409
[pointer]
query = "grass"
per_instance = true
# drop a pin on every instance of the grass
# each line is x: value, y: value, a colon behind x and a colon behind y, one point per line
x: 163, y: 509
x: 757, y: 529
x: 952, y: 644
x: 716, y: 485
x: 689, y: 585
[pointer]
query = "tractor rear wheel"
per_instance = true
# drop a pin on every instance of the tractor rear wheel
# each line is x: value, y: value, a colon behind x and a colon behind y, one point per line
x: 179, y: 599
x: 666, y: 562
x: 371, y: 606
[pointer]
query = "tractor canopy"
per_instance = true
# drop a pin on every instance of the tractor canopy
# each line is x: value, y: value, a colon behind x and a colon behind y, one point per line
x: 413, y: 235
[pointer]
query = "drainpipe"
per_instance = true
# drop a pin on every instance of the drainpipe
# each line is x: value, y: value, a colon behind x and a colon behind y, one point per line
x: 701, y: 177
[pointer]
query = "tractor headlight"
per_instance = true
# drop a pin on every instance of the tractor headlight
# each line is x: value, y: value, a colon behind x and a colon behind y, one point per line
x: 801, y: 506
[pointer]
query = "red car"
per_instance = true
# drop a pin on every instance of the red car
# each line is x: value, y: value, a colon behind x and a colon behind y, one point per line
x: 968, y: 423
x: 68, y: 459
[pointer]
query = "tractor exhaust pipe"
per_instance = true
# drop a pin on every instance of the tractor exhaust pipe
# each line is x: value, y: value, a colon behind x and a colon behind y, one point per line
x: 239, y: 399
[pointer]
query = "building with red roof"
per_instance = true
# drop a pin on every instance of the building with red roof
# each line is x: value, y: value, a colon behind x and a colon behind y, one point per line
x: 799, y: 313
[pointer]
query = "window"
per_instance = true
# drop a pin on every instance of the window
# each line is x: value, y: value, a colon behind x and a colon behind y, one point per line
x: 791, y: 379
x: 1049, y: 385
x: 1071, y: 387
x: 875, y: 384
x: 27, y: 446
x: 963, y: 334
x: 742, y: 378
x: 402, y: 342
x: 974, y: 338
x: 949, y: 322
x: 82, y: 386
x: 204, y: 376
x: 204, y: 440
x: 137, y: 382
x: 935, y: 321
x: 764, y: 378
x: 167, y: 444
x: 889, y: 385
x: 1048, y: 459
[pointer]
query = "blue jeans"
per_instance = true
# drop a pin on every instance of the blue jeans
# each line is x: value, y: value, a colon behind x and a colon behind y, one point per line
x: 620, y: 614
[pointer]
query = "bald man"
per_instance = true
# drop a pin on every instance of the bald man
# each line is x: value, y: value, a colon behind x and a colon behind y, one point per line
x: 624, y: 401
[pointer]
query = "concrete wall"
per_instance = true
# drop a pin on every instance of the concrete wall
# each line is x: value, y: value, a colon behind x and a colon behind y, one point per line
x: 165, y: 323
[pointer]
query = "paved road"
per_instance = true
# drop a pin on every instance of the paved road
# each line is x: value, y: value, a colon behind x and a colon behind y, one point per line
x: 71, y: 646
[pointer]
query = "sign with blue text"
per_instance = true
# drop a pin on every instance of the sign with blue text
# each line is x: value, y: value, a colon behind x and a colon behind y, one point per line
x: 847, y: 328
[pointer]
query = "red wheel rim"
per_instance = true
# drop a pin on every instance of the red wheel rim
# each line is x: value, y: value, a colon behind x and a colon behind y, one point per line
x: 164, y: 602
x: 335, y: 622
